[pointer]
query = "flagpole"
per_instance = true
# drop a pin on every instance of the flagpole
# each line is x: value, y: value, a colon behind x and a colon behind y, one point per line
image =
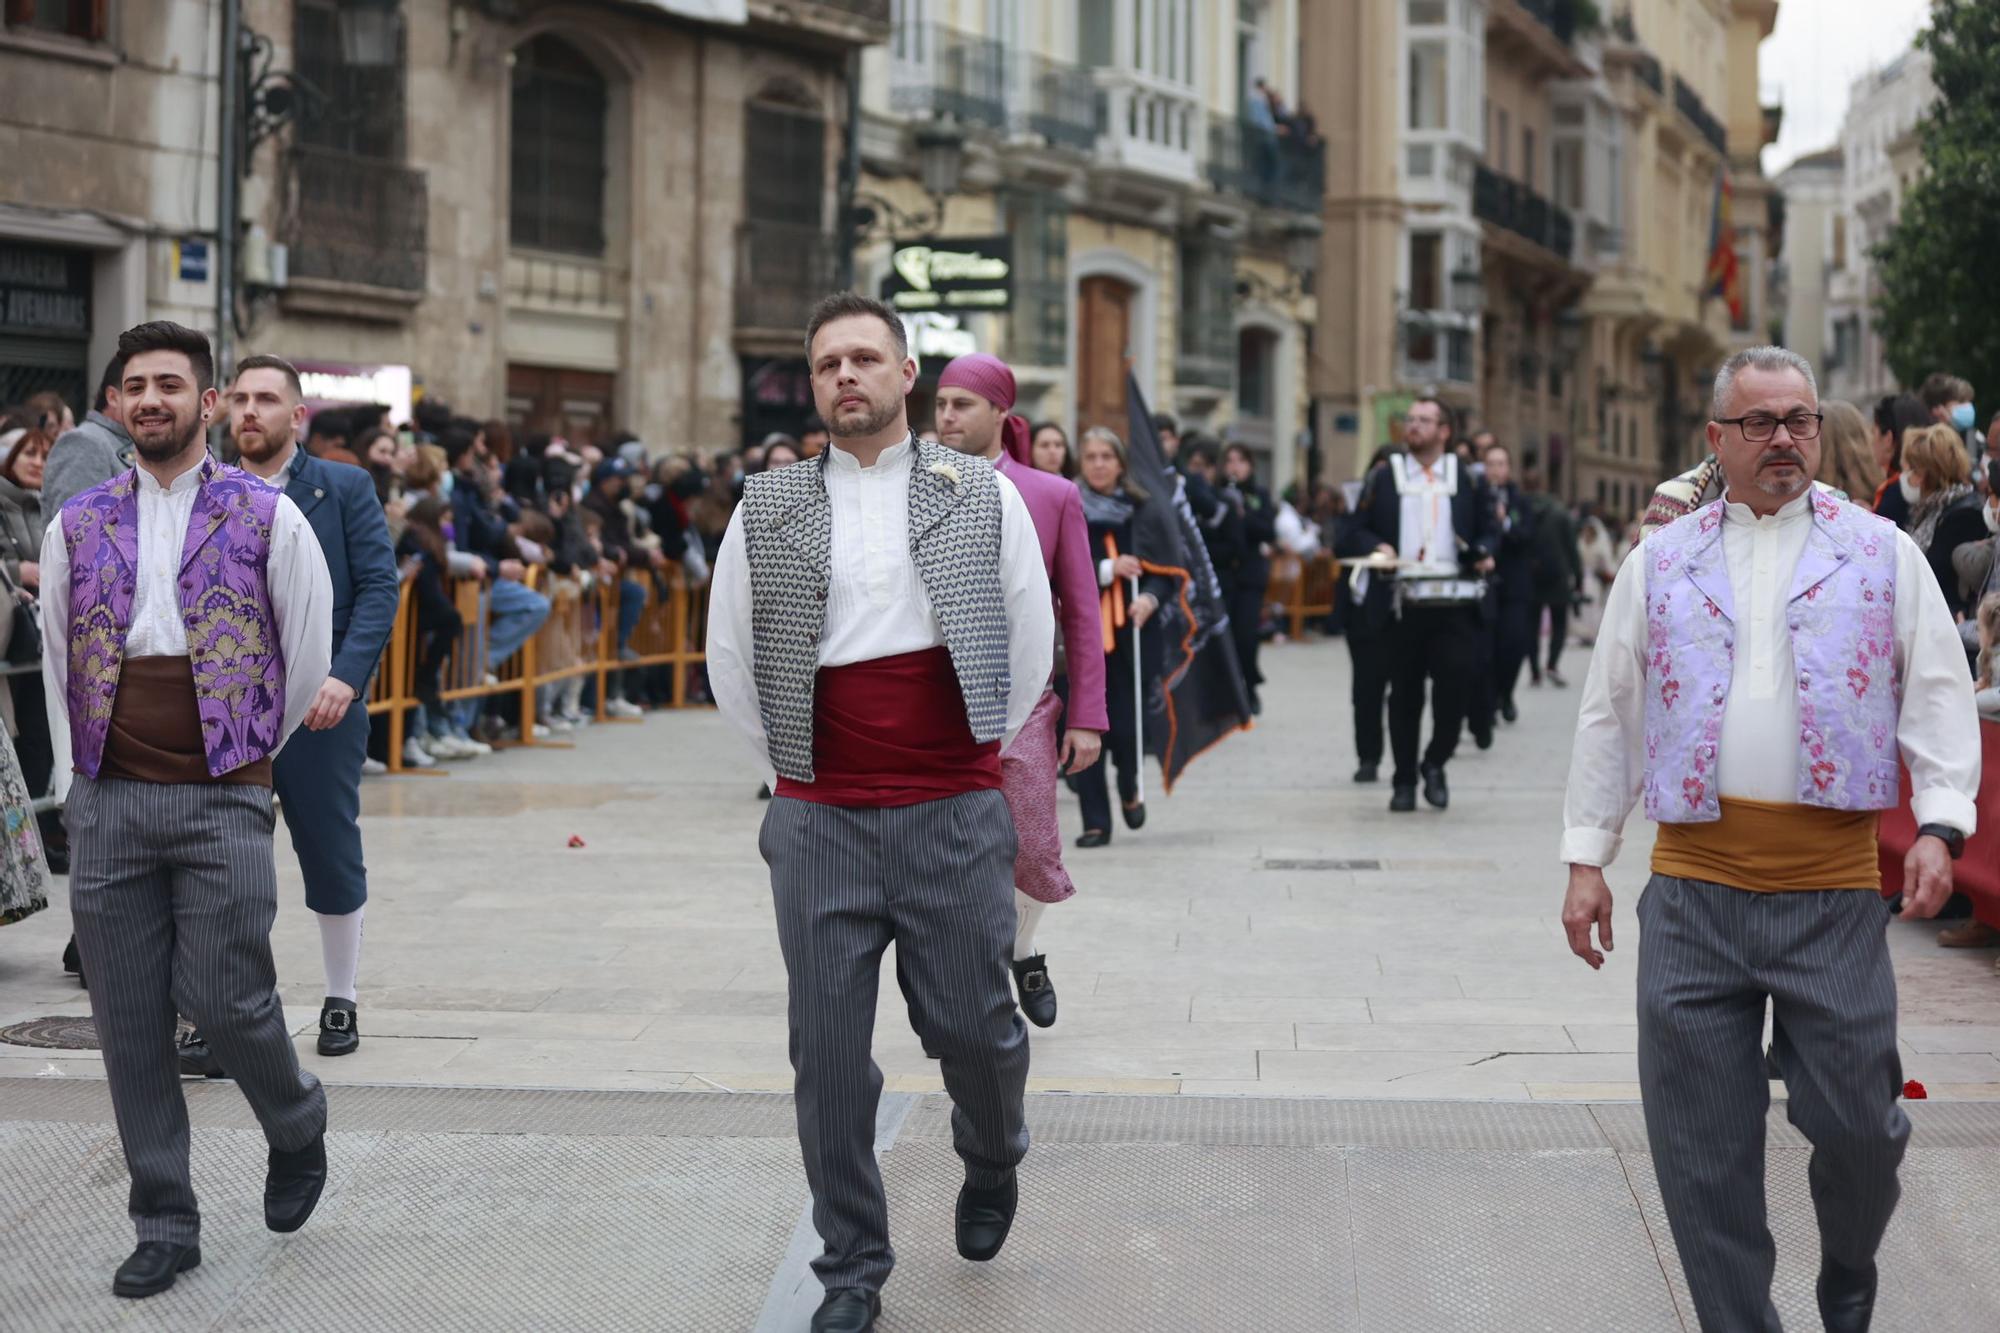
x: 1138, y: 703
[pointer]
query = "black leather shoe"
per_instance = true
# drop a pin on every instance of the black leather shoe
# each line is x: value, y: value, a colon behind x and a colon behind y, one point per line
x: 153, y: 1268
x: 1846, y: 1296
x: 339, y: 1028
x: 1483, y: 737
x: 1367, y: 773
x: 1135, y: 814
x: 1509, y: 713
x: 1435, y: 791
x: 984, y: 1218
x: 847, y: 1310
x: 292, y: 1187
x: 1403, y: 801
x: 73, y: 963
x: 1093, y: 838
x: 198, y: 1060
x: 1037, y: 992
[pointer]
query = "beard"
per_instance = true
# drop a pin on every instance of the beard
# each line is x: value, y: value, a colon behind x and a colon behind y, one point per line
x: 1772, y: 483
x: 863, y: 421
x: 157, y: 442
x: 259, y: 445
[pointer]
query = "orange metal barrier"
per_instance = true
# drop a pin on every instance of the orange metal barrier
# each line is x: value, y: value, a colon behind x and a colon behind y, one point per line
x: 1303, y: 588
x: 579, y: 638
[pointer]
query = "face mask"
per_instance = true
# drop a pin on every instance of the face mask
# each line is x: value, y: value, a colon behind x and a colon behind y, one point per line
x: 1908, y: 486
x: 1961, y: 417
x: 1992, y: 516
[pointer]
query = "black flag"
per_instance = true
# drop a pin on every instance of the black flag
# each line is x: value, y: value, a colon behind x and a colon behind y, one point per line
x: 1194, y: 691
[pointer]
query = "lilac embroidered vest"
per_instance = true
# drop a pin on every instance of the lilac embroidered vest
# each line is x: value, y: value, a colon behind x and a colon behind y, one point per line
x: 1841, y: 615
x: 239, y: 669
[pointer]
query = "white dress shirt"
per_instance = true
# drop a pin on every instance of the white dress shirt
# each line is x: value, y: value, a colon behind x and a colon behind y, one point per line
x: 876, y: 603
x: 1937, y: 731
x: 295, y: 575
x: 1425, y: 536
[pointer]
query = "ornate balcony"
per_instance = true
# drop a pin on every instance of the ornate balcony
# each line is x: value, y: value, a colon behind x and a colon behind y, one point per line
x: 781, y: 269
x: 1278, y: 171
x: 1514, y: 207
x: 357, y: 221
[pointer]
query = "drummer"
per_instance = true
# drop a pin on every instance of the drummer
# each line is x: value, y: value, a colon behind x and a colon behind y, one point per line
x: 1428, y: 523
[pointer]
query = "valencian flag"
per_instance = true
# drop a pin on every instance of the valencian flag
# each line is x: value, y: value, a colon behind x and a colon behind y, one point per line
x: 1194, y: 692
x: 1725, y: 270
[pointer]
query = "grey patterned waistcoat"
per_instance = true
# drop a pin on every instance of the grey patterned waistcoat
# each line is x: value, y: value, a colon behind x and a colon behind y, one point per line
x: 955, y: 541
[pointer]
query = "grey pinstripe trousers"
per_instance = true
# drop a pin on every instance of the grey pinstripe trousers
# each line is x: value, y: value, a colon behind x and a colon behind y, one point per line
x: 938, y: 879
x: 174, y: 891
x: 1708, y: 957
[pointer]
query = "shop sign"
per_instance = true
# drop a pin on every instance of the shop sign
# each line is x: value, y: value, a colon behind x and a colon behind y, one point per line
x: 953, y: 274
x: 338, y: 384
x: 44, y: 290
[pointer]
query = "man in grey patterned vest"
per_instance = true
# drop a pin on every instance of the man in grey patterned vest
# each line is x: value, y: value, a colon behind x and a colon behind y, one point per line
x: 879, y: 625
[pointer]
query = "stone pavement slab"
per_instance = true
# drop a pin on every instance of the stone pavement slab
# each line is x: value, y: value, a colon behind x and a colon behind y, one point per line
x: 484, y: 1209
x: 1272, y: 929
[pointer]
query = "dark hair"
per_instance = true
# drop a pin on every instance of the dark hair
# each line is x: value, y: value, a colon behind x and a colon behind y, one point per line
x: 433, y: 416
x: 366, y: 440
x: 846, y: 305
x: 425, y: 525
x: 114, y: 375
x: 163, y: 335
x: 1243, y: 451
x: 44, y: 405
x: 1896, y: 413
x: 332, y: 422
x: 1200, y: 447
x: 812, y: 426
x: 1940, y: 388
x: 264, y: 361
x: 535, y: 443
x: 1444, y: 412
x: 1165, y: 424
x: 798, y: 454
x: 457, y: 442
x: 1496, y: 446
x: 538, y: 527
x: 34, y: 436
x: 1069, y: 454
x: 499, y: 440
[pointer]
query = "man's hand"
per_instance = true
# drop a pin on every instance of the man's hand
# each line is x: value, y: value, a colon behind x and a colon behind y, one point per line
x: 607, y: 570
x: 1143, y: 607
x: 513, y: 569
x: 658, y: 559
x: 1386, y: 551
x: 1926, y: 878
x: 1483, y: 565
x: 330, y: 705
x: 1079, y: 750
x: 1127, y: 567
x: 1588, y: 902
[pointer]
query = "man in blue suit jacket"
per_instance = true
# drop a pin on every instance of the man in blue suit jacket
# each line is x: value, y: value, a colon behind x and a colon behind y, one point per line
x: 317, y: 776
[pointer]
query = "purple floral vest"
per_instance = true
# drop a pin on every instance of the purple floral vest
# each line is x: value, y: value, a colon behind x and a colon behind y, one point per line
x: 239, y: 670
x: 1842, y: 620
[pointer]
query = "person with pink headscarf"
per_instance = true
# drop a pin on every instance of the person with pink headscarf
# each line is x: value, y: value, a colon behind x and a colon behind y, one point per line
x: 974, y: 397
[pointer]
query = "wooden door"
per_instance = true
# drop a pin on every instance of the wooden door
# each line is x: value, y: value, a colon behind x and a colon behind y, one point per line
x: 575, y: 405
x: 1104, y: 332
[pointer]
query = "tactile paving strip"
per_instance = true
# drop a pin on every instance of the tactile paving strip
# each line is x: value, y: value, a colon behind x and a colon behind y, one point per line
x: 1501, y: 1242
x: 554, y: 1111
x: 1939, y: 1262
x: 1280, y: 1122
x: 1129, y: 1237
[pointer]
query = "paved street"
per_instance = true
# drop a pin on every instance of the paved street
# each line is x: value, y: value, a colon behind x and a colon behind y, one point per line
x: 1439, y: 1131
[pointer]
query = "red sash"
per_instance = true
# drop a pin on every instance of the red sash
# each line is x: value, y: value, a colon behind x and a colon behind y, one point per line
x: 893, y: 732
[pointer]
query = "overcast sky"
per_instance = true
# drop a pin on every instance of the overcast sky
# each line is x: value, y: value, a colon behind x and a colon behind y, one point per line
x: 1819, y: 48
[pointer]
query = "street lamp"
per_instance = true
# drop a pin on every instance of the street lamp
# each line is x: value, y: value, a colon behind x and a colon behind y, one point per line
x: 371, y: 32
x: 1302, y: 237
x: 1468, y: 290
x: 1569, y: 335
x: 940, y: 160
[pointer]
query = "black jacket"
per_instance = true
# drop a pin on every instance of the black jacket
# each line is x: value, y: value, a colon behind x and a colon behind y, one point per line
x: 1377, y: 520
x: 1514, y: 573
x: 1558, y: 564
x: 1959, y: 524
x: 1258, y: 518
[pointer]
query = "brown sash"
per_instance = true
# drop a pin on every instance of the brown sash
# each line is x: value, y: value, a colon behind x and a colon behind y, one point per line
x: 155, y: 731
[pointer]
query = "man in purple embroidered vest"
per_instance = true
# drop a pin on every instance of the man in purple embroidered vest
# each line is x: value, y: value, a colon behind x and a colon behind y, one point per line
x: 1767, y: 665
x: 188, y: 617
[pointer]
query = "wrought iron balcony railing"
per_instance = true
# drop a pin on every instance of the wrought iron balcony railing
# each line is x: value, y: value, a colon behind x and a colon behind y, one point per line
x: 1689, y: 103
x: 939, y: 71
x: 781, y: 269
x: 1281, y: 171
x: 1512, y: 205
x: 354, y: 219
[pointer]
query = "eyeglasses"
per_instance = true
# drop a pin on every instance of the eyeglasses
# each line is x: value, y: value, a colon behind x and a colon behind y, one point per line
x: 1759, y: 427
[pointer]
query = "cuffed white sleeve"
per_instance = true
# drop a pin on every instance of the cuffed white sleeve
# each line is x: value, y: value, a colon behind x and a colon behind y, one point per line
x: 1031, y: 617
x: 1938, y: 728
x: 301, y: 593
x: 731, y: 679
x: 1608, y: 758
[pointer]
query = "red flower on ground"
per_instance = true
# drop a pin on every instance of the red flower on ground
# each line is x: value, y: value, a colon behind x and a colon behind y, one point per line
x: 575, y: 840
x: 1914, y: 1091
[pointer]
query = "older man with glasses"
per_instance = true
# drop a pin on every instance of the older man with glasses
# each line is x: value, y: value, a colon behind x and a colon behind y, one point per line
x: 1766, y: 666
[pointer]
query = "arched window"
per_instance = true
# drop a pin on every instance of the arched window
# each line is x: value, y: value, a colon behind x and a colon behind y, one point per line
x: 557, y: 189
